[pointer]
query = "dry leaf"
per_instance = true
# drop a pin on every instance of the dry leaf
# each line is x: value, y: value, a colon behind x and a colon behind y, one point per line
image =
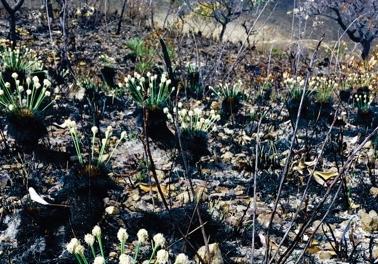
x: 324, y: 177
x: 313, y: 248
x: 153, y: 188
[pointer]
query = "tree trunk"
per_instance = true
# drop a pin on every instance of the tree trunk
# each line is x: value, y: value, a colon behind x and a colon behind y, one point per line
x: 121, y: 17
x: 12, y: 29
x: 366, y: 46
x: 50, y: 11
x: 223, y: 30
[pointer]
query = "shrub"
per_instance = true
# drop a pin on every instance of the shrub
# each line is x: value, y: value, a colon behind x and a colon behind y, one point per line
x: 141, y: 54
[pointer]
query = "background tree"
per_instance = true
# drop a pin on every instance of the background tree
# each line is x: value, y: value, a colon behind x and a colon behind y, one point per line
x: 358, y: 18
x: 222, y: 11
x: 12, y: 10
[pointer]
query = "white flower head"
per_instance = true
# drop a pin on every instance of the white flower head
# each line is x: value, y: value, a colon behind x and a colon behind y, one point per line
x: 99, y: 260
x: 108, y: 131
x: 183, y: 112
x: 179, y: 105
x: 182, y: 259
x: 125, y: 259
x: 7, y: 85
x: 122, y: 235
x: 142, y: 236
x: 48, y: 93
x: 46, y: 82
x: 28, y: 92
x: 79, y: 249
x: 14, y: 75
x: 123, y: 134
x: 72, y: 245
x: 89, y: 239
x: 165, y: 110
x: 96, y: 231
x: 162, y: 256
x: 35, y: 79
x: 94, y: 130
x: 11, y: 107
x: 20, y: 89
x: 1, y: 92
x: 159, y: 240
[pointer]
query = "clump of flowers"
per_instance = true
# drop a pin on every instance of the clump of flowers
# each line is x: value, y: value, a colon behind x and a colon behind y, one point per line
x: 194, y: 85
x: 22, y: 61
x: 106, y: 60
x: 24, y: 106
x: 360, y: 79
x: 99, y: 155
x: 152, y: 92
x: 363, y: 102
x: 323, y: 87
x: 231, y: 96
x: 29, y: 96
x: 97, y: 252
x: 229, y: 91
x: 294, y: 84
x: 194, y: 121
x: 85, y: 11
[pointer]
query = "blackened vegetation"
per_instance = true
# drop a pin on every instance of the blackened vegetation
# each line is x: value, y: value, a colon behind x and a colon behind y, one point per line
x: 26, y: 127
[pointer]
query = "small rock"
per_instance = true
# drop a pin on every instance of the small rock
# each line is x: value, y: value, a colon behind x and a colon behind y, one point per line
x: 369, y: 221
x: 228, y: 131
x: 183, y: 197
x: 374, y: 191
x: 227, y: 156
x: 113, y: 255
x: 375, y: 253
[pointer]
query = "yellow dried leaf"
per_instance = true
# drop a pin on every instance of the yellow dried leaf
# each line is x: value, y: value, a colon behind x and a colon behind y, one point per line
x: 313, y: 248
x: 153, y: 188
x: 322, y: 177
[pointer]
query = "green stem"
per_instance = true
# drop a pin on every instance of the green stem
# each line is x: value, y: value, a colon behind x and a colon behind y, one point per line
x: 84, y: 259
x: 136, y: 252
x: 100, y: 244
x: 93, y: 251
x: 153, y: 254
x: 92, y: 149
x: 78, y: 259
x: 111, y: 154
x: 122, y: 247
x: 102, y: 151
